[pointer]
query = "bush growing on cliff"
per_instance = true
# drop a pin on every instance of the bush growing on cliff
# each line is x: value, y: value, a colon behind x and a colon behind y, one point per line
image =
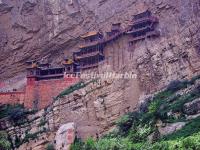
x: 50, y: 146
x: 4, y: 142
x: 42, y: 122
x: 6, y: 110
x: 77, y: 145
x: 139, y: 133
x: 90, y: 144
x: 17, y: 114
x: 71, y: 89
x: 177, y: 85
x: 126, y: 122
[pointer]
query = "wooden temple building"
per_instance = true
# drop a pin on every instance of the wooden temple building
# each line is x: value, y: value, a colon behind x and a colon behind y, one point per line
x: 115, y: 30
x: 70, y: 66
x: 143, y: 26
x: 91, y: 52
x: 44, y: 71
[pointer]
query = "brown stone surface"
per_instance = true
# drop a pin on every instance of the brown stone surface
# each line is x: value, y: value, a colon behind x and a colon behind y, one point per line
x: 49, y: 29
x: 192, y: 108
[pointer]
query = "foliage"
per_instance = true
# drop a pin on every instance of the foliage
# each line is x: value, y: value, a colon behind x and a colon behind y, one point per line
x: 112, y: 134
x: 31, y: 136
x: 177, y: 85
x: 6, y: 110
x: 42, y: 122
x: 15, y: 113
x: 50, y: 146
x: 90, y: 144
x: 77, y: 145
x: 126, y: 122
x: 17, y: 141
x: 139, y: 133
x: 114, y: 144
x: 4, y: 142
x: 73, y: 88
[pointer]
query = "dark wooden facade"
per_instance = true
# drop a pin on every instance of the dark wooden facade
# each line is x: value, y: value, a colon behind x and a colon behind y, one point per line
x: 43, y: 71
x: 91, y: 52
x: 143, y: 26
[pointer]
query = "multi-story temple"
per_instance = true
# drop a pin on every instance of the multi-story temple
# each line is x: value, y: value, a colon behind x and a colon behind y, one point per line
x: 91, y: 52
x: 143, y: 26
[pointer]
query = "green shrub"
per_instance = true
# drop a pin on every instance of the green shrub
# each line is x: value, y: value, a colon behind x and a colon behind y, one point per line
x: 17, y: 141
x: 109, y: 144
x: 160, y: 146
x: 77, y: 145
x: 4, y: 142
x: 192, y: 142
x: 89, y: 144
x: 50, y: 146
x: 139, y: 133
x: 112, y: 134
x: 153, y: 107
x: 126, y: 122
x: 188, y: 143
x: 6, y: 110
x: 74, y: 87
x: 177, y: 85
x: 42, y: 122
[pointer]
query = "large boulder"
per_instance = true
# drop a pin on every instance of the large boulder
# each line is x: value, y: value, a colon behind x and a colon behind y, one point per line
x: 192, y: 108
x: 171, y: 128
x: 65, y: 136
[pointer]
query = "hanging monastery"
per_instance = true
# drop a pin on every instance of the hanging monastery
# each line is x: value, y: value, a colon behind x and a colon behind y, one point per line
x: 45, y: 82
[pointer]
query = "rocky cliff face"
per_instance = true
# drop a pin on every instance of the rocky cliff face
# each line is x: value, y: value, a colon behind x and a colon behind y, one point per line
x: 48, y: 29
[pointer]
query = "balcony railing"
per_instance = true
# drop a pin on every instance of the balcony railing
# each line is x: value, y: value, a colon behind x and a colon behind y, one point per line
x: 91, y: 44
x: 139, y: 29
x: 141, y: 20
x: 147, y: 35
x: 81, y: 56
x: 89, y: 66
